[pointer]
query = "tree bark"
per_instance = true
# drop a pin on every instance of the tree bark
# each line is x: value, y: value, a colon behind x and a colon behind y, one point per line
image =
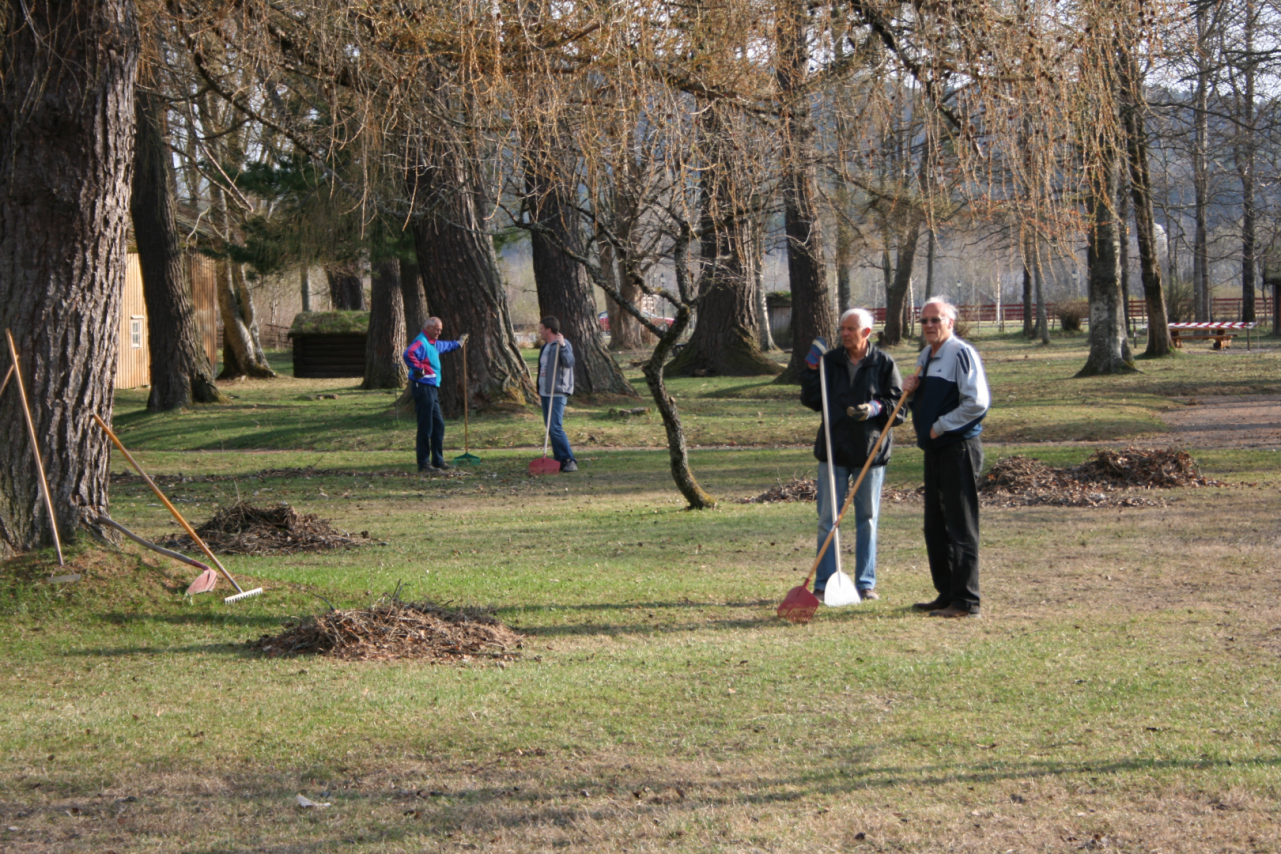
x: 896, y: 298
x: 180, y: 371
x: 812, y: 312
x: 1107, y: 329
x: 565, y: 290
x: 413, y: 299
x: 346, y: 291
x: 242, y: 352
x: 1200, y: 167
x: 464, y: 289
x: 1027, y: 291
x: 844, y: 250
x: 66, y: 154
x: 385, y: 342
x: 1133, y: 106
x: 765, y: 337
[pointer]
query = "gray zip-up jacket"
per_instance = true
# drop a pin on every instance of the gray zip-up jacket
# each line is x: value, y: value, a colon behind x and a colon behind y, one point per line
x: 564, y: 369
x: 953, y: 396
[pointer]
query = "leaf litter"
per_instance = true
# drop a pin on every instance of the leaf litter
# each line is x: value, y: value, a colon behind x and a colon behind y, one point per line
x: 395, y: 629
x: 242, y: 529
x: 1123, y: 478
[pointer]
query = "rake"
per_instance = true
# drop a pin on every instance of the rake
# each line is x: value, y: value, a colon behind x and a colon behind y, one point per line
x: 191, y: 532
x: 466, y: 458
x: 799, y: 605
x: 16, y: 373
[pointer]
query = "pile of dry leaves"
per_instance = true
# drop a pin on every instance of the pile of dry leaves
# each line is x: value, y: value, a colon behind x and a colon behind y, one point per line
x: 242, y: 529
x: 395, y: 629
x: 1109, y: 478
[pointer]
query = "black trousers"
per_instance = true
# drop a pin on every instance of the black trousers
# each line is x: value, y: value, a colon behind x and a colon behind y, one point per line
x: 952, y: 521
x: 431, y: 426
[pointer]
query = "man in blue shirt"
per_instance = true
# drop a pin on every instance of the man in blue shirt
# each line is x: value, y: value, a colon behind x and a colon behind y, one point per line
x: 423, y: 358
x: 949, y: 399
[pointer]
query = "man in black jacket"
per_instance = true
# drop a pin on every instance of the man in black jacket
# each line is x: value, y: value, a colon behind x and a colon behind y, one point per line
x: 863, y: 385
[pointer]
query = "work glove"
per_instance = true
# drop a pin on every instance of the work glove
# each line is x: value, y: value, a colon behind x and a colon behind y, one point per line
x: 864, y: 411
x: 462, y: 339
x: 817, y: 350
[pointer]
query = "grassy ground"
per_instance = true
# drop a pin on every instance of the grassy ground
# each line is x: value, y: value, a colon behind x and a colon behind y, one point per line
x: 1120, y: 693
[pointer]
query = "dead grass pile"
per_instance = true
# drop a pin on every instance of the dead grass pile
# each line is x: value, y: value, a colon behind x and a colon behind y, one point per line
x: 242, y: 529
x: 806, y: 489
x: 393, y: 629
x: 1109, y: 478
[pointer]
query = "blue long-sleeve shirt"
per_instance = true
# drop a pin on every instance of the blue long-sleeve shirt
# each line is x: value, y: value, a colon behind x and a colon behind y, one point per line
x: 423, y: 358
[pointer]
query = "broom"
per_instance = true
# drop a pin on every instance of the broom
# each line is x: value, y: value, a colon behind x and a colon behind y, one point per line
x: 191, y: 532
x: 799, y: 605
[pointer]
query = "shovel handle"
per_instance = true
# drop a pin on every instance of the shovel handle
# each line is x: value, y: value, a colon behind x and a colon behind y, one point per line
x: 191, y: 532
x: 849, y: 496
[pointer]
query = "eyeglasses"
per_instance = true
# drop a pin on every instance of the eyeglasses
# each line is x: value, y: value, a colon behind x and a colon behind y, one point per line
x: 928, y: 320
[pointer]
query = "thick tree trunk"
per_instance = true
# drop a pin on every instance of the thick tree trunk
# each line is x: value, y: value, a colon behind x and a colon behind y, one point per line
x: 180, y: 371
x: 66, y: 154
x: 565, y: 291
x: 896, y: 299
x: 346, y: 291
x: 1107, y: 330
x: 1027, y: 290
x: 385, y: 342
x: 242, y: 352
x: 1136, y: 147
x: 413, y: 299
x: 627, y: 333
x: 464, y: 289
x: 812, y: 311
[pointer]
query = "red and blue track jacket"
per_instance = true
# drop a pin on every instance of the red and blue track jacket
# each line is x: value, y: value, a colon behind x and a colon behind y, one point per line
x: 423, y: 358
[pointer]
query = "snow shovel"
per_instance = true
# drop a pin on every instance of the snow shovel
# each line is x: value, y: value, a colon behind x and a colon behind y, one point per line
x: 543, y: 465
x: 799, y: 605
x: 467, y: 458
x: 840, y: 589
x: 16, y: 372
x: 191, y: 532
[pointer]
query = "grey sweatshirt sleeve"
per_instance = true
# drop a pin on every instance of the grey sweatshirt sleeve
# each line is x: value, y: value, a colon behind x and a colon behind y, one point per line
x: 971, y: 382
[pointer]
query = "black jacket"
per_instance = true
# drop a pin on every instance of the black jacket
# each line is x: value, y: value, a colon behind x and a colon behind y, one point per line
x: 877, y: 378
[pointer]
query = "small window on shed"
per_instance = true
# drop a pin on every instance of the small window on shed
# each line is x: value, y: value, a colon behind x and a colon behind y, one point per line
x: 135, y: 332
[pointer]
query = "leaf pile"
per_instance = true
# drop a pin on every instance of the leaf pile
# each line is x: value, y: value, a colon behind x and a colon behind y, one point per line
x: 242, y: 529
x: 806, y: 489
x: 1109, y: 478
x: 393, y: 629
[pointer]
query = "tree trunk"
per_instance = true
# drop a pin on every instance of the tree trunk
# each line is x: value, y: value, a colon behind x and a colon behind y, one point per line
x: 765, y: 337
x: 1107, y: 331
x: 304, y: 285
x: 180, y: 372
x: 812, y: 313
x: 413, y: 299
x: 1200, y: 168
x: 242, y: 352
x: 1245, y: 151
x: 1123, y: 243
x: 66, y: 150
x: 464, y: 289
x: 1133, y: 106
x: 385, y: 342
x: 346, y: 291
x: 896, y: 299
x: 565, y: 291
x: 844, y: 250
x: 1027, y: 290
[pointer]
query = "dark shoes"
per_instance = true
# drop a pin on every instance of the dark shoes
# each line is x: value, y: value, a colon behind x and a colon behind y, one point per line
x: 930, y: 606
x: 953, y: 611
x: 868, y: 595
x: 569, y: 465
x: 818, y: 594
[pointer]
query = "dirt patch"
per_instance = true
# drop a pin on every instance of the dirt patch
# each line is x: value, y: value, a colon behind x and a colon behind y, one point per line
x: 243, y: 529
x: 1237, y: 421
x: 393, y: 629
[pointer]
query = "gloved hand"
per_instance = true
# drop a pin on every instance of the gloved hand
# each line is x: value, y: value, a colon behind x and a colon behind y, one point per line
x: 462, y: 339
x: 817, y: 350
x: 864, y: 411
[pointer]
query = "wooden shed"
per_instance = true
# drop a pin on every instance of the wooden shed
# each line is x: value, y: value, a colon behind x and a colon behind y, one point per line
x: 133, y: 362
x: 329, y: 344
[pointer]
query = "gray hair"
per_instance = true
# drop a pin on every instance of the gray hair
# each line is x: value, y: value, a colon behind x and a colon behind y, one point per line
x: 945, y: 307
x: 432, y: 323
x: 865, y: 320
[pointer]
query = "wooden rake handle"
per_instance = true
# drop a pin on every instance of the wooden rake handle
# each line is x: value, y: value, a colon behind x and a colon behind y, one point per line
x: 191, y: 532
x: 849, y: 496
x: 15, y: 371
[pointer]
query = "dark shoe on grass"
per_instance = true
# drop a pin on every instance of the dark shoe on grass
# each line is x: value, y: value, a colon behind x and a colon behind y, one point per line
x: 930, y: 606
x: 870, y: 595
x: 953, y: 611
x: 569, y: 465
x: 818, y: 594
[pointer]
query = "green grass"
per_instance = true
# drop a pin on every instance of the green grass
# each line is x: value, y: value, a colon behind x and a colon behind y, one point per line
x: 1121, y: 690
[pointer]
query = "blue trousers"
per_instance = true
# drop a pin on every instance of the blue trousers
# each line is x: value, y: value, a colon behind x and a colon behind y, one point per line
x: 431, y: 426
x: 560, y: 442
x: 866, y: 507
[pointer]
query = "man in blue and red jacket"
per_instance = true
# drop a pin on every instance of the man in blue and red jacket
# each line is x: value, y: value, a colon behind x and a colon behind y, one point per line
x: 423, y: 358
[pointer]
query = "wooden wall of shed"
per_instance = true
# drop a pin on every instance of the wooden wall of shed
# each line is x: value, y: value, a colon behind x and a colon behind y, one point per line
x: 132, y: 365
x: 202, y: 272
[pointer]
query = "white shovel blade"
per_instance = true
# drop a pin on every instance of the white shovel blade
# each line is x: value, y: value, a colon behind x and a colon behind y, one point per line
x: 840, y: 590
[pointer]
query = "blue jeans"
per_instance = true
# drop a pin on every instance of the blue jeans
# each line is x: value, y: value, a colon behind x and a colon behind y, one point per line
x: 866, y: 507
x: 560, y: 442
x: 431, y: 426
